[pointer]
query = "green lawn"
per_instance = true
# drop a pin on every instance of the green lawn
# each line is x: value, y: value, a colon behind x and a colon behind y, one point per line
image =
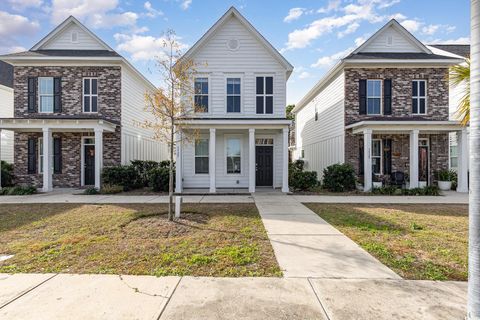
x: 209, y: 240
x: 416, y: 241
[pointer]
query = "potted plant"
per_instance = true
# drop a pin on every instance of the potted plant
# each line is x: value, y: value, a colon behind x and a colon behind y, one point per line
x: 445, y: 179
x: 377, y: 181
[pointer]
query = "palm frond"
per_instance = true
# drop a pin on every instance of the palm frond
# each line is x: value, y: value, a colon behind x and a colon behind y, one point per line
x: 460, y: 75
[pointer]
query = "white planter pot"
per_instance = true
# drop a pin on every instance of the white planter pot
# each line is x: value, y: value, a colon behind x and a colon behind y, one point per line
x: 377, y: 184
x: 359, y: 187
x: 422, y: 184
x: 444, y: 185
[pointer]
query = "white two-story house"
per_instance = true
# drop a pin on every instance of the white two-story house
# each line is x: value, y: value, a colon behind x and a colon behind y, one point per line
x: 240, y: 99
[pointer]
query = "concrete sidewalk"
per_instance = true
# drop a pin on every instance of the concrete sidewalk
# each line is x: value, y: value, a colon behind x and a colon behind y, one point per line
x: 66, y: 296
x: 306, y: 246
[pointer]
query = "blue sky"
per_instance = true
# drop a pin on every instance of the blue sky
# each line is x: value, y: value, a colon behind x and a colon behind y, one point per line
x: 312, y: 35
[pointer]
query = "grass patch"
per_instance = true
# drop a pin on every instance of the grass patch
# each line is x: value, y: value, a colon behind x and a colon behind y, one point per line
x: 416, y: 241
x: 209, y: 240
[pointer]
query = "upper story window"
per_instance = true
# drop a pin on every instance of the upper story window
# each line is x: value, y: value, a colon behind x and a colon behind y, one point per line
x: 45, y: 94
x: 201, y: 95
x: 419, y: 97
x: 234, y: 156
x: 233, y: 94
x: 90, y: 95
x: 374, y: 97
x: 201, y: 156
x: 264, y: 91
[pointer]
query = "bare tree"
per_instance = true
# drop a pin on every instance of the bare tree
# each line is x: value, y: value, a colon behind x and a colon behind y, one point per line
x: 171, y: 102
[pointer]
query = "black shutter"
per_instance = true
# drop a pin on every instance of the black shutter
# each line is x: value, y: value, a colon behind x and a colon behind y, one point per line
x: 362, y: 96
x: 387, y: 96
x: 360, y: 158
x: 387, y: 156
x: 32, y: 155
x: 32, y: 94
x: 57, y: 95
x: 57, y: 155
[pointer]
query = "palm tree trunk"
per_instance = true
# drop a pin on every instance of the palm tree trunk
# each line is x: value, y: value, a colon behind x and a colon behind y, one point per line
x: 473, y: 308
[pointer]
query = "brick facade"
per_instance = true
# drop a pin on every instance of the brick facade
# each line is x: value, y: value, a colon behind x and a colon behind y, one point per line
x: 437, y: 109
x: 109, y: 108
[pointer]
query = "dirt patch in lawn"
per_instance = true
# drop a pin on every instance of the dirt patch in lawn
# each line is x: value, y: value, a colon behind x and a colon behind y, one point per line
x: 416, y: 241
x: 209, y: 240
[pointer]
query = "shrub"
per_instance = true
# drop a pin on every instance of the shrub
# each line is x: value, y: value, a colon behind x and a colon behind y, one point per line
x: 388, y: 190
x: 6, y: 174
x: 446, y: 175
x: 111, y: 189
x: 91, y: 191
x: 339, y: 177
x: 142, y: 169
x: 159, y: 179
x: 18, y: 191
x: 427, y: 191
x: 299, y: 179
x: 124, y: 176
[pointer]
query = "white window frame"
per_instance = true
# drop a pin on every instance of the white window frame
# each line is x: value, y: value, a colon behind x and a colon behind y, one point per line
x: 418, y: 97
x: 233, y: 76
x: 90, y: 95
x: 40, y: 156
x: 40, y: 95
x: 375, y: 97
x: 239, y: 137
x: 378, y: 157
x: 202, y: 94
x: 264, y: 95
x: 195, y: 156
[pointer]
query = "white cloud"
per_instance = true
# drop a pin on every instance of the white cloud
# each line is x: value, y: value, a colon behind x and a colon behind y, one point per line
x: 12, y: 27
x: 186, y: 4
x: 327, y: 61
x: 331, y: 6
x: 360, y: 40
x: 430, y: 29
x: 388, y: 4
x: 294, y: 14
x: 411, y: 25
x: 19, y: 5
x: 143, y: 47
x: 304, y: 75
x: 151, y: 11
x: 350, y: 29
x: 461, y: 40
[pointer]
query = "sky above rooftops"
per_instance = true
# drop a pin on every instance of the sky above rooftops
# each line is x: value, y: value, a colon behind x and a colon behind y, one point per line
x: 312, y: 35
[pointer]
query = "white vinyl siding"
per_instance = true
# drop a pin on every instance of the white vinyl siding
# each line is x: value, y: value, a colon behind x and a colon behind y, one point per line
x: 63, y: 40
x: 399, y: 43
x: 6, y: 111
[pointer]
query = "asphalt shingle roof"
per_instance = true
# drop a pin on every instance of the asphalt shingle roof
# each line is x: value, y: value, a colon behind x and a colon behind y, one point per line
x: 458, y: 49
x: 65, y: 53
x: 395, y: 55
x: 6, y: 74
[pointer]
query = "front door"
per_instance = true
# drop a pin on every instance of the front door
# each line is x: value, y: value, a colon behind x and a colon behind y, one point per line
x: 89, y: 165
x: 423, y: 165
x: 264, y: 166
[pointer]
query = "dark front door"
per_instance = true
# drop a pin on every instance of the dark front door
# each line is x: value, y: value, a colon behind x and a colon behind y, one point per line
x: 89, y: 163
x: 264, y: 164
x: 423, y: 163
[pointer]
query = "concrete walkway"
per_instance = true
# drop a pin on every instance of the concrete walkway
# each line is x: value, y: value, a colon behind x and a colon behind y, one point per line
x: 65, y: 296
x: 307, y: 246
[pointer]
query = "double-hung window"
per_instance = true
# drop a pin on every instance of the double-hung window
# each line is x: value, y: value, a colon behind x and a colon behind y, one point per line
x: 234, y: 156
x: 264, y: 95
x: 419, y: 97
x: 233, y: 94
x: 201, y: 156
x: 40, y: 155
x: 374, y: 97
x: 377, y: 156
x: 201, y: 95
x: 45, y: 94
x: 90, y: 95
x: 453, y: 157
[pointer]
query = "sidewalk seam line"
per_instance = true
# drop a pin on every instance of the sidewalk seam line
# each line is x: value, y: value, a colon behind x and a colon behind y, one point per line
x: 29, y: 290
x: 168, y: 300
x: 318, y: 299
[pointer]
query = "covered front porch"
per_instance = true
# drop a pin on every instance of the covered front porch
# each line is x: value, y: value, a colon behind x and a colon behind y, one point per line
x: 58, y: 150
x: 412, y: 151
x: 221, y: 154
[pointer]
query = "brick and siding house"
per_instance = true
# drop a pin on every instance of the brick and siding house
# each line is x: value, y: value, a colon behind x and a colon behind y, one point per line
x: 384, y: 109
x: 76, y: 104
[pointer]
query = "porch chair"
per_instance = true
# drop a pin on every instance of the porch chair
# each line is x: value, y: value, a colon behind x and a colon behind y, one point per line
x: 397, y: 178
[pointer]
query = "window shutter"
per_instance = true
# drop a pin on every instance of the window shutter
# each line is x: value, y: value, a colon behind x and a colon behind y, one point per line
x: 57, y: 155
x: 362, y: 96
x: 387, y: 156
x: 32, y: 156
x: 57, y: 95
x: 387, y: 96
x: 32, y: 94
x: 360, y: 158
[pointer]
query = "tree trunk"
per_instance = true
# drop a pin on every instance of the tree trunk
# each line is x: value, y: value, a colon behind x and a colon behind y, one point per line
x: 170, y: 176
x: 473, y: 308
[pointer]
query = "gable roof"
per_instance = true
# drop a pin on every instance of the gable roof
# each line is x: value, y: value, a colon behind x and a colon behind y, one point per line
x: 62, y: 26
x: 398, y: 27
x: 235, y: 13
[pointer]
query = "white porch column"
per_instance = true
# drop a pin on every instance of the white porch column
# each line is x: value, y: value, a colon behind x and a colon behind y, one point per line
x: 413, y: 159
x: 47, y: 166
x: 251, y: 160
x: 178, y: 163
x: 285, y: 160
x: 367, y: 160
x: 211, y: 160
x: 462, y: 172
x: 98, y: 157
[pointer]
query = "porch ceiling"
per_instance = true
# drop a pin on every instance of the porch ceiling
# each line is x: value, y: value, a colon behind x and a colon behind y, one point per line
x: 56, y: 125
x: 428, y: 127
x: 234, y: 123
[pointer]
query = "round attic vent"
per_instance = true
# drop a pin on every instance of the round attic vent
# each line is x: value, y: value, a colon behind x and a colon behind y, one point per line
x: 233, y: 44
